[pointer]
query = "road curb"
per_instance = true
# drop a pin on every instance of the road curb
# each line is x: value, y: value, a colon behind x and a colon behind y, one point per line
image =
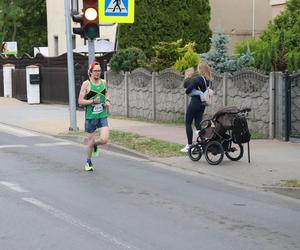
x: 109, y: 146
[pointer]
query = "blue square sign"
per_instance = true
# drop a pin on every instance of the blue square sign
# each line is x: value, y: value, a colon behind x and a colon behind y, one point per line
x: 116, y: 7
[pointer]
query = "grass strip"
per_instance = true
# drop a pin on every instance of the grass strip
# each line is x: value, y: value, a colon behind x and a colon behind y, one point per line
x: 290, y: 183
x: 145, y: 145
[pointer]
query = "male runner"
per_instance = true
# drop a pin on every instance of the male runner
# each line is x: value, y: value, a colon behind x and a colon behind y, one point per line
x: 93, y: 94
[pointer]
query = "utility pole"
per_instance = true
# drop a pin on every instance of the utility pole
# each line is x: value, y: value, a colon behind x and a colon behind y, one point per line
x: 71, y: 82
x: 91, y: 49
x: 253, y: 18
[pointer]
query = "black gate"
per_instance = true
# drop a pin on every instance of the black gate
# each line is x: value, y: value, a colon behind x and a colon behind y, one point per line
x: 292, y: 93
x: 19, y: 89
x: 1, y: 83
x: 54, y: 85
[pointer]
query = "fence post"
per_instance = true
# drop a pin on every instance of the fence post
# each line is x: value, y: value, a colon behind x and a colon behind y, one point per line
x: 272, y: 85
x: 33, y: 84
x: 153, y: 81
x: 280, y: 119
x: 7, y: 79
x: 126, y: 95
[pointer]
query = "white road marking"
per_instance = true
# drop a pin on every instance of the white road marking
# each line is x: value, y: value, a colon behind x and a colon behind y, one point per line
x: 76, y: 222
x: 14, y: 187
x: 17, y: 131
x: 62, y: 143
x: 13, y: 146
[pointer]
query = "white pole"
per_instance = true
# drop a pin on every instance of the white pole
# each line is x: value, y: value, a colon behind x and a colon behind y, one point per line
x: 253, y: 18
x: 71, y: 82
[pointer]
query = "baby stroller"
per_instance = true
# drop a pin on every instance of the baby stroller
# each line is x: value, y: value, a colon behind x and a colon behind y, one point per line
x: 224, y: 133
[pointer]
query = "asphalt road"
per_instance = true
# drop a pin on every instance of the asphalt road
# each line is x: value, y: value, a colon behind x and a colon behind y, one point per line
x: 47, y: 201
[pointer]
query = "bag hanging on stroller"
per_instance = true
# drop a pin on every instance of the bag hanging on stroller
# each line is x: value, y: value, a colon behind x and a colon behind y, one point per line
x: 240, y: 131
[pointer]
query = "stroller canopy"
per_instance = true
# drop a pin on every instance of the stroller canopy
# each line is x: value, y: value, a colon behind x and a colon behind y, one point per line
x: 225, y: 116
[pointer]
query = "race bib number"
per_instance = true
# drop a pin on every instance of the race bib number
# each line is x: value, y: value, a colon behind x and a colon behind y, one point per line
x: 98, y: 108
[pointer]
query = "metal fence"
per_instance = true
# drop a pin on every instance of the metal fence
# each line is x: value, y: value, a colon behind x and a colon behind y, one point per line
x: 292, y: 93
x: 54, y: 85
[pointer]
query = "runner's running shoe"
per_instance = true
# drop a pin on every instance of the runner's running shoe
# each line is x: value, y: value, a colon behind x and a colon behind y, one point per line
x: 88, y: 167
x: 96, y: 151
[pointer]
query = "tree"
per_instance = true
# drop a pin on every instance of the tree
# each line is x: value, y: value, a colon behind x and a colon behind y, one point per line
x: 10, y: 15
x: 24, y: 22
x: 219, y: 59
x: 167, y: 21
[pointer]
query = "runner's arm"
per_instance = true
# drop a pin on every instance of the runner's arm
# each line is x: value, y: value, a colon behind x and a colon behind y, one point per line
x: 82, y: 93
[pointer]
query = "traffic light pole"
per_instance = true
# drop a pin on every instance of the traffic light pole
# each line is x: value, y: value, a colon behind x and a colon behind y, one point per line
x: 91, y: 49
x: 71, y: 82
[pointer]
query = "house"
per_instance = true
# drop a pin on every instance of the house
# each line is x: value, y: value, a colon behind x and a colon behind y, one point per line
x: 277, y: 6
x: 240, y: 19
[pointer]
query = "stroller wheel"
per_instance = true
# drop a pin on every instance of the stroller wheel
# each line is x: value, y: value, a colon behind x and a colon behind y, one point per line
x: 195, y: 152
x: 235, y: 151
x: 214, y: 152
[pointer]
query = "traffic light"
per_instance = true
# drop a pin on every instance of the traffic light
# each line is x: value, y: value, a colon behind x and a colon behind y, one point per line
x: 91, y: 19
x: 78, y: 18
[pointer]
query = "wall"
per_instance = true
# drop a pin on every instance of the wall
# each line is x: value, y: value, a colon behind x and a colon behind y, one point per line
x: 235, y: 17
x: 56, y: 26
x: 277, y: 7
x: 161, y: 96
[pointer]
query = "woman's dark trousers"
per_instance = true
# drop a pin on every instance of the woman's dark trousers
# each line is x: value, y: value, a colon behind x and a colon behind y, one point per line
x: 195, y: 112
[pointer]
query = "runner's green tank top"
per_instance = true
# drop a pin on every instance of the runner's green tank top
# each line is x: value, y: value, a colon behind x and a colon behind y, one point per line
x: 96, y: 111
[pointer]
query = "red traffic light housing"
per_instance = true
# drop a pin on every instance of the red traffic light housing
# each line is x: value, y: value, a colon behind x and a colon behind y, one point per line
x: 91, y: 19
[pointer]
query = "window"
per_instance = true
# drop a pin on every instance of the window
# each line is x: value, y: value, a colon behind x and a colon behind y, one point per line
x: 55, y: 45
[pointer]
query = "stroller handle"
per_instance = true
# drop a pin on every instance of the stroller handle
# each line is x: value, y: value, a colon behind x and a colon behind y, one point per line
x: 246, y: 110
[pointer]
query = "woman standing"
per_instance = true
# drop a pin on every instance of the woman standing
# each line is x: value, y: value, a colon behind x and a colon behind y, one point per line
x: 196, y: 107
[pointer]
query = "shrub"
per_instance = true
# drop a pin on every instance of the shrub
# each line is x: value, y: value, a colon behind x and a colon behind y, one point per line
x: 166, y: 54
x: 188, y: 60
x: 127, y: 59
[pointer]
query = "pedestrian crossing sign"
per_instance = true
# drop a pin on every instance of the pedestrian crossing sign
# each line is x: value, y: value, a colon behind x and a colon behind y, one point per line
x: 116, y: 11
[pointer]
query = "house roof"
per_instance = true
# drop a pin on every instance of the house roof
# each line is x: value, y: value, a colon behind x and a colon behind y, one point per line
x: 101, y: 46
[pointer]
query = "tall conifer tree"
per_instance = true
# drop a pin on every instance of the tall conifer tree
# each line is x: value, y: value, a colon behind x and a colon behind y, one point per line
x: 167, y: 20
